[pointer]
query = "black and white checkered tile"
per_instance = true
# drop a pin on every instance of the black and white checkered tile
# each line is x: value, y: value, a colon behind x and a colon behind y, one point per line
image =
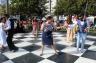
x: 29, y: 50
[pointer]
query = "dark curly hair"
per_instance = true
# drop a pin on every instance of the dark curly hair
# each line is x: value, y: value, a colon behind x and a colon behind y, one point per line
x: 49, y: 18
x: 6, y: 15
x: 1, y: 19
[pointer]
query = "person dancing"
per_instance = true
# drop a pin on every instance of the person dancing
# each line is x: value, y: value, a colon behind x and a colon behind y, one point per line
x: 35, y: 26
x: 81, y: 34
x: 10, y: 31
x: 69, y: 27
x: 74, y: 20
x: 47, y: 37
x: 3, y: 42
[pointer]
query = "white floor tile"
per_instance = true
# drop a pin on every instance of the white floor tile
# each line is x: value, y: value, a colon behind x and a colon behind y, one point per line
x: 84, y: 60
x: 46, y: 61
x: 89, y: 36
x: 72, y: 51
x: 12, y: 55
x: 39, y: 43
x: 17, y: 35
x: 47, y: 53
x: 27, y: 39
x: 29, y: 36
x: 89, y: 42
x: 93, y: 48
x: 55, y: 33
x: 14, y: 39
x: 9, y: 61
x: 58, y: 35
x: 65, y: 43
x: 23, y: 44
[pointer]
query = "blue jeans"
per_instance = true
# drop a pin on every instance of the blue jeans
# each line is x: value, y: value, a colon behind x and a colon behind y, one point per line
x: 81, y: 37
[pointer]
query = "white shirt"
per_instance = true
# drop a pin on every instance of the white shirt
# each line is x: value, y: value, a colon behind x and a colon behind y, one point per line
x: 82, y: 22
x: 90, y: 19
x: 70, y: 26
x: 74, y: 21
x: 8, y: 25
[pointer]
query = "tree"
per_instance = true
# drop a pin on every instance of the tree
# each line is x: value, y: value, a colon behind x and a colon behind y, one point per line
x: 2, y: 9
x: 75, y: 7
x: 29, y: 7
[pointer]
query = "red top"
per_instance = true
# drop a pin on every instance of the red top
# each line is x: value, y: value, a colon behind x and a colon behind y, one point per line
x: 35, y: 22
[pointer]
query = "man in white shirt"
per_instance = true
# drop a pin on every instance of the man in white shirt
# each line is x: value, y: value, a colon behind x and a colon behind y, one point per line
x: 9, y: 29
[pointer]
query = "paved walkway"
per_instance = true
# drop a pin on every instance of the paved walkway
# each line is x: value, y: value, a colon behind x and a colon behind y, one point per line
x: 29, y: 51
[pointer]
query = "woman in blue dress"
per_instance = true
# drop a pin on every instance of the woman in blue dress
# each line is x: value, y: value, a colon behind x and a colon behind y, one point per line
x: 47, y: 38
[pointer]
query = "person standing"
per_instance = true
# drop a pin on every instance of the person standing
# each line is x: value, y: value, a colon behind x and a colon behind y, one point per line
x: 41, y: 21
x: 69, y: 27
x: 35, y: 26
x: 3, y: 42
x: 10, y: 31
x: 74, y: 20
x: 81, y: 33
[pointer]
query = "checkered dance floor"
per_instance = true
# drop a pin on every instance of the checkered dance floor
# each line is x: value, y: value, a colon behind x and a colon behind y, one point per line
x: 29, y: 50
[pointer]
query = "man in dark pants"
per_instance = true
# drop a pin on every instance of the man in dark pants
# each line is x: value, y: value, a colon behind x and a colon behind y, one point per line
x: 10, y: 30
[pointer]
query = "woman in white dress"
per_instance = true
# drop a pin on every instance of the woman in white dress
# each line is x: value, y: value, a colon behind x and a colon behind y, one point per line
x: 3, y: 34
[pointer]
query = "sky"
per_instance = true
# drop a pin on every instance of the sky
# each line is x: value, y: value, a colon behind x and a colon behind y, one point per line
x: 3, y: 1
x: 0, y: 1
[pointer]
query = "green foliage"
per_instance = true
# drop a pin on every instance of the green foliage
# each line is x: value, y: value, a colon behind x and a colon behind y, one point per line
x: 75, y: 7
x: 2, y: 9
x: 29, y: 7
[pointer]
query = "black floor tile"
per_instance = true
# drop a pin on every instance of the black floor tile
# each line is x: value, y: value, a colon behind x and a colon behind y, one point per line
x: 91, y: 39
x: 21, y: 37
x: 32, y: 47
x: 90, y: 54
x: 63, y: 58
x: 35, y: 41
x: 57, y: 40
x: 60, y: 47
x: 94, y: 43
x: 28, y: 58
x: 17, y: 41
x: 25, y: 34
x: 3, y: 58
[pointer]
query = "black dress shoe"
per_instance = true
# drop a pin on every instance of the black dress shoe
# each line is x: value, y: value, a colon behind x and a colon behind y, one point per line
x: 14, y: 50
x: 0, y: 51
x: 41, y: 54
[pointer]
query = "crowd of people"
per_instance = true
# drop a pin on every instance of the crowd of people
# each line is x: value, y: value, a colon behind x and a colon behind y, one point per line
x: 77, y: 25
x: 73, y: 24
